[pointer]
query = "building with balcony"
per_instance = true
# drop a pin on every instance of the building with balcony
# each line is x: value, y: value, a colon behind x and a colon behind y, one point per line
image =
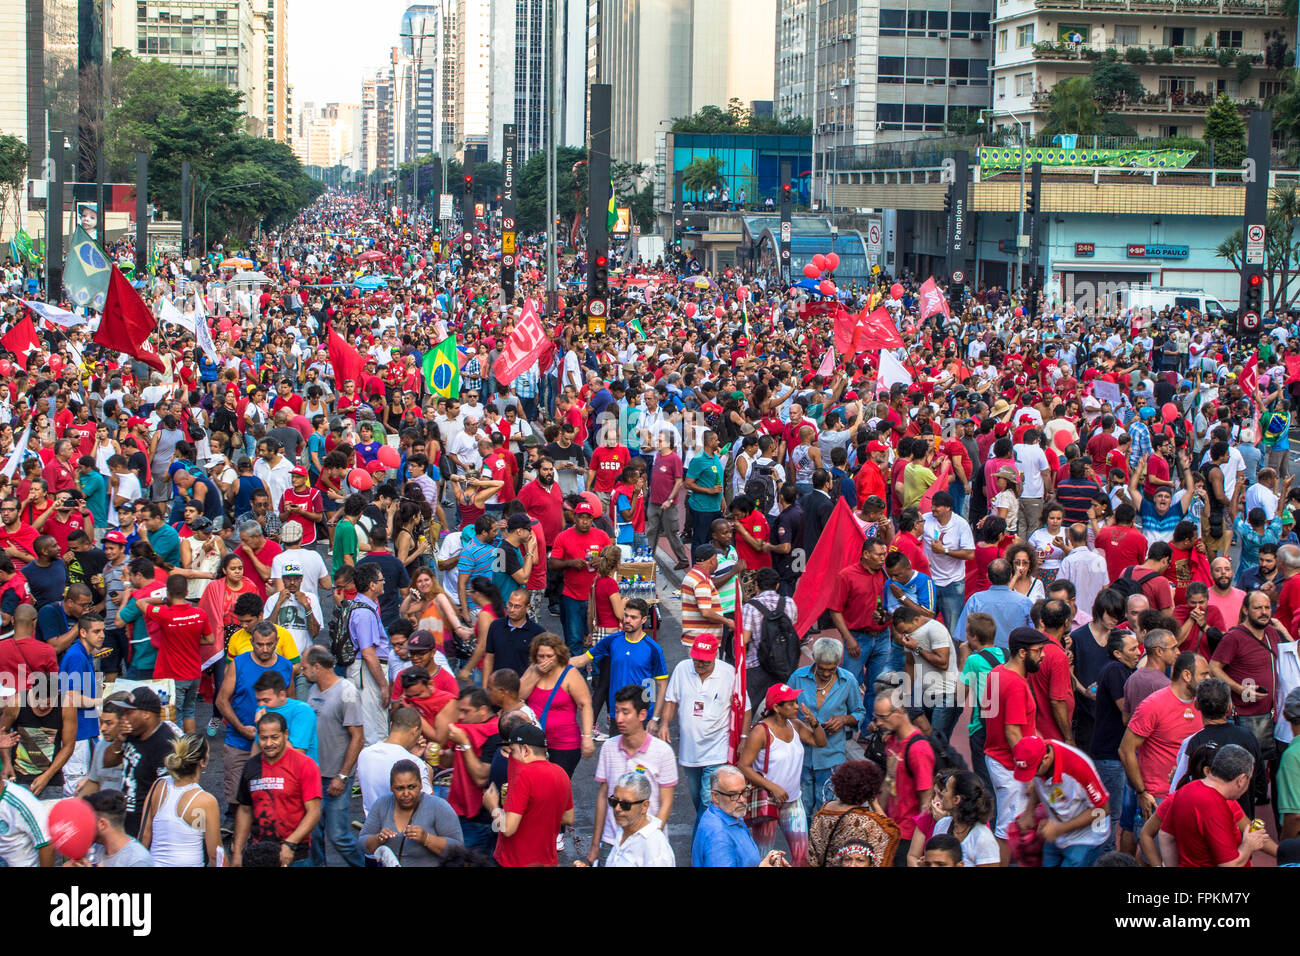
x: 1185, y: 52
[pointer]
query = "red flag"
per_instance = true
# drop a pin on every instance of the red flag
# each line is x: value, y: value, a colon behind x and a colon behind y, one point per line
x: 526, y: 344
x: 22, y: 339
x: 876, y: 331
x: 841, y: 542
x: 739, y: 690
x: 933, y: 301
x: 127, y: 322
x: 346, y: 360
x: 828, y: 364
x: 846, y: 325
x: 1250, y: 375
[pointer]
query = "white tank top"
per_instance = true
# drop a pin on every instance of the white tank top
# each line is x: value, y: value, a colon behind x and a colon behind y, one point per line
x: 175, y: 842
x: 784, y: 761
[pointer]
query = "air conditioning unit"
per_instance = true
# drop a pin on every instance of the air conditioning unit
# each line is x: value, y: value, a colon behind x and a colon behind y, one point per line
x: 846, y: 82
x: 943, y: 34
x: 977, y: 37
x: 952, y: 82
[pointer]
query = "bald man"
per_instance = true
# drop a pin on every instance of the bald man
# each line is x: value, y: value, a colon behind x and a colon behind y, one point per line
x: 1222, y: 594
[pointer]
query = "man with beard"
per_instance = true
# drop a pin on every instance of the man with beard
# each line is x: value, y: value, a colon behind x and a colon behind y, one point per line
x: 544, y: 502
x: 1222, y: 594
x: 1011, y: 716
x: 1263, y: 577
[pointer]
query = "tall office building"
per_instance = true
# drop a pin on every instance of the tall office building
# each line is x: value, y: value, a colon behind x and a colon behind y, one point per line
x: 276, y: 107
x: 419, y: 36
x: 668, y: 58
x: 326, y: 136
x: 1184, y: 63
x: 368, y: 152
x: 473, y: 37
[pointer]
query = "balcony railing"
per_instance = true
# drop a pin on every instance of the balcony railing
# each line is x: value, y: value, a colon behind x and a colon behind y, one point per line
x: 1188, y: 103
x: 1150, y: 55
x: 1205, y: 8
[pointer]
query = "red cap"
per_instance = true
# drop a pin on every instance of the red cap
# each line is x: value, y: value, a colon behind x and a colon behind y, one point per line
x: 705, y: 648
x: 298, y: 470
x: 135, y: 422
x: 780, y: 693
x: 584, y: 508
x: 115, y: 537
x: 1028, y: 753
x: 877, y: 446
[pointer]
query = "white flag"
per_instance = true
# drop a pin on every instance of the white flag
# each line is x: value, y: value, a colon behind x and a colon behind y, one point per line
x: 55, y: 315
x: 19, y: 452
x: 172, y: 315
x: 203, y: 332
x: 891, y: 372
x: 828, y: 364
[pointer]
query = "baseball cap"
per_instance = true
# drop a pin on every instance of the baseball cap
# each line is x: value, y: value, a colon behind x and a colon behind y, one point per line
x: 705, y: 648
x: 877, y: 446
x: 518, y: 522
x: 779, y: 694
x: 703, y: 552
x: 422, y: 640
x: 291, y: 570
x: 528, y: 734
x: 1028, y: 753
x: 584, y: 508
x: 143, y: 698
x: 200, y: 524
x: 298, y: 470
x: 115, y: 537
x: 135, y: 422
x: 290, y: 532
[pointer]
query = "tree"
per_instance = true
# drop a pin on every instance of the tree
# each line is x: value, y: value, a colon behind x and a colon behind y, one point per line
x: 738, y: 118
x: 531, y: 204
x: 1113, y: 78
x: 1281, y: 249
x: 13, y: 175
x: 631, y: 190
x: 1072, y: 108
x: 964, y: 121
x: 1230, y: 249
x: 702, y: 174
x: 1227, y: 130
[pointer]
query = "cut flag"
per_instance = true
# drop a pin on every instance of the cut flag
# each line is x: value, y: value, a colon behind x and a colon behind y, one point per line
x: 86, y: 272
x: 933, y: 301
x: 875, y: 331
x: 891, y: 372
x: 1250, y: 375
x: 839, y: 545
x: 525, y: 346
x: 828, y: 364
x: 346, y: 360
x: 54, y: 315
x: 22, y: 339
x: 127, y: 322
x: 442, y: 369
x: 635, y: 326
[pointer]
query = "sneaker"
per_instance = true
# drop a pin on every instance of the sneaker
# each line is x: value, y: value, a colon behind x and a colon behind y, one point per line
x: 214, y: 725
x: 599, y: 737
x: 559, y: 843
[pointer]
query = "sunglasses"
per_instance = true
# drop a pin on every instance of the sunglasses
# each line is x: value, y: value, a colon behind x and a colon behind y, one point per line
x: 625, y: 805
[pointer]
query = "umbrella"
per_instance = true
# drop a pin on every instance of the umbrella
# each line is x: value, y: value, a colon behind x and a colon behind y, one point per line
x: 371, y: 282
x: 235, y: 262
x: 371, y: 256
x: 809, y: 284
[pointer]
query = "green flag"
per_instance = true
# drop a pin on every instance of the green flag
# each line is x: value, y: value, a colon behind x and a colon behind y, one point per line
x: 635, y: 326
x: 20, y: 248
x: 442, y: 369
x: 86, y: 273
x: 611, y: 215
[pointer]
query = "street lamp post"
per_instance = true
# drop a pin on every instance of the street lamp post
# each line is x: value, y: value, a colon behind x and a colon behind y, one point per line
x: 208, y: 196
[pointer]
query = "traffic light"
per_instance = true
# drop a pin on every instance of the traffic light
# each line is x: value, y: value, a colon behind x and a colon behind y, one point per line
x: 1031, y: 203
x: 947, y: 202
x: 1252, y: 307
x: 785, y: 193
x: 469, y: 185
x: 600, y: 278
x: 437, y: 227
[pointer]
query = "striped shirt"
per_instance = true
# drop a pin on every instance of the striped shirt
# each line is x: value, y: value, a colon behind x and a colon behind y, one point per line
x: 23, y: 826
x: 698, y: 596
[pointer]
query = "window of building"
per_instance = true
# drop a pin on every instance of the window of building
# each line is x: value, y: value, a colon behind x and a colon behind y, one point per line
x: 1230, y: 38
x: 889, y: 115
x: 1002, y: 41
x: 916, y: 20
x: 891, y: 69
x: 1002, y: 87
x: 979, y: 72
x: 1167, y: 132
x: 979, y: 21
x: 960, y: 24
x: 892, y: 23
x: 1024, y: 36
x: 1269, y: 88
x: 1170, y: 84
x: 1126, y: 35
x: 1024, y: 83
x: 1180, y: 36
x: 938, y: 20
x: 935, y: 66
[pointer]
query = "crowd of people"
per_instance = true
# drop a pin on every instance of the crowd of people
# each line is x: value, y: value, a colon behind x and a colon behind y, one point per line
x: 1023, y: 590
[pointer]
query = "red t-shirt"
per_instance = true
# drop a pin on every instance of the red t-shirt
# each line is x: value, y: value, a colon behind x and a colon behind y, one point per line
x: 267, y: 555
x: 443, y: 681
x: 544, y: 506
x: 1100, y: 446
x: 911, y: 776
x: 606, y: 586
x: 1124, y: 546
x: 293, y: 403
x: 1204, y: 824
x: 1050, y: 683
x: 60, y: 530
x: 84, y: 434
x: 757, y: 527
x: 24, y: 538
x: 667, y: 470
x: 497, y: 464
x: 568, y: 545
x: 28, y: 657
x: 278, y: 794
x: 180, y: 627
x: 310, y: 500
x: 1013, y: 704
x: 429, y: 707
x: 910, y: 545
x: 608, y: 464
x: 1165, y: 722
x: 59, y: 477
x: 541, y: 793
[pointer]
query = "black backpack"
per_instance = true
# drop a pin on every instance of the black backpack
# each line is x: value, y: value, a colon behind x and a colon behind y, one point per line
x: 1128, y: 586
x: 760, y: 487
x: 341, y: 644
x: 945, y: 757
x: 778, y: 646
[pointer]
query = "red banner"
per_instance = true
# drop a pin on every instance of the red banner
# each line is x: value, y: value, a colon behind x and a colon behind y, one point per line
x: 933, y: 301
x: 876, y: 331
x: 526, y: 344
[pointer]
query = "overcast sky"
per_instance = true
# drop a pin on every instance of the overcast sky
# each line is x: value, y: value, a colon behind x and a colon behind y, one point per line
x: 334, y: 43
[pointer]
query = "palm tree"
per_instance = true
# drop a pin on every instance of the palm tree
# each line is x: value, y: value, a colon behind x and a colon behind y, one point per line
x: 1072, y: 108
x: 702, y: 174
x: 1230, y: 249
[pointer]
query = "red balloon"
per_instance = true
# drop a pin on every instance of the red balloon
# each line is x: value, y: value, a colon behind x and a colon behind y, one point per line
x: 742, y: 293
x: 728, y: 273
x: 819, y: 261
x: 832, y: 261
x: 811, y: 271
x: 5, y: 367
x: 360, y: 479
x: 1019, y: 311
x: 719, y: 311
x: 691, y: 309
x: 388, y: 456
x: 72, y: 827
x: 1169, y: 411
x: 1061, y: 440
x: 827, y: 287
x: 896, y: 290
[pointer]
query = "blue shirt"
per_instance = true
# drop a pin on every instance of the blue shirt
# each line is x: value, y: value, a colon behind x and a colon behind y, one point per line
x: 166, y: 543
x: 631, y: 662
x: 1009, y: 610
x: 244, y: 700
x: 77, y: 672
x: 367, y: 629
x: 722, y: 840
x: 301, y: 719
x: 843, y: 698
x: 1158, y: 527
x: 920, y: 589
x: 476, y: 558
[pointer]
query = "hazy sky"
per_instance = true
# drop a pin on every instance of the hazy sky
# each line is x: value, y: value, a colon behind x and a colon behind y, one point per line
x: 334, y: 43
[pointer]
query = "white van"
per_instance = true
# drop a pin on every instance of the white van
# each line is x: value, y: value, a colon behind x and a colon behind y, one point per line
x: 1156, y: 299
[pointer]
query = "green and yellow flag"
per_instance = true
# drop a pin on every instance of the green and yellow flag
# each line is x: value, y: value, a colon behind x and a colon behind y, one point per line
x: 611, y: 214
x: 442, y: 369
x: 635, y: 326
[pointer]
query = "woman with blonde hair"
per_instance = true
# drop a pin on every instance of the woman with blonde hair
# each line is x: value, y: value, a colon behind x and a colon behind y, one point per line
x: 559, y: 696
x: 605, y: 604
x: 181, y: 824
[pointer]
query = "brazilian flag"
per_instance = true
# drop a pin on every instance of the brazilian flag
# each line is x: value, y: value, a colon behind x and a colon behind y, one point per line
x: 86, y: 272
x: 635, y: 326
x: 442, y: 369
x: 611, y: 214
